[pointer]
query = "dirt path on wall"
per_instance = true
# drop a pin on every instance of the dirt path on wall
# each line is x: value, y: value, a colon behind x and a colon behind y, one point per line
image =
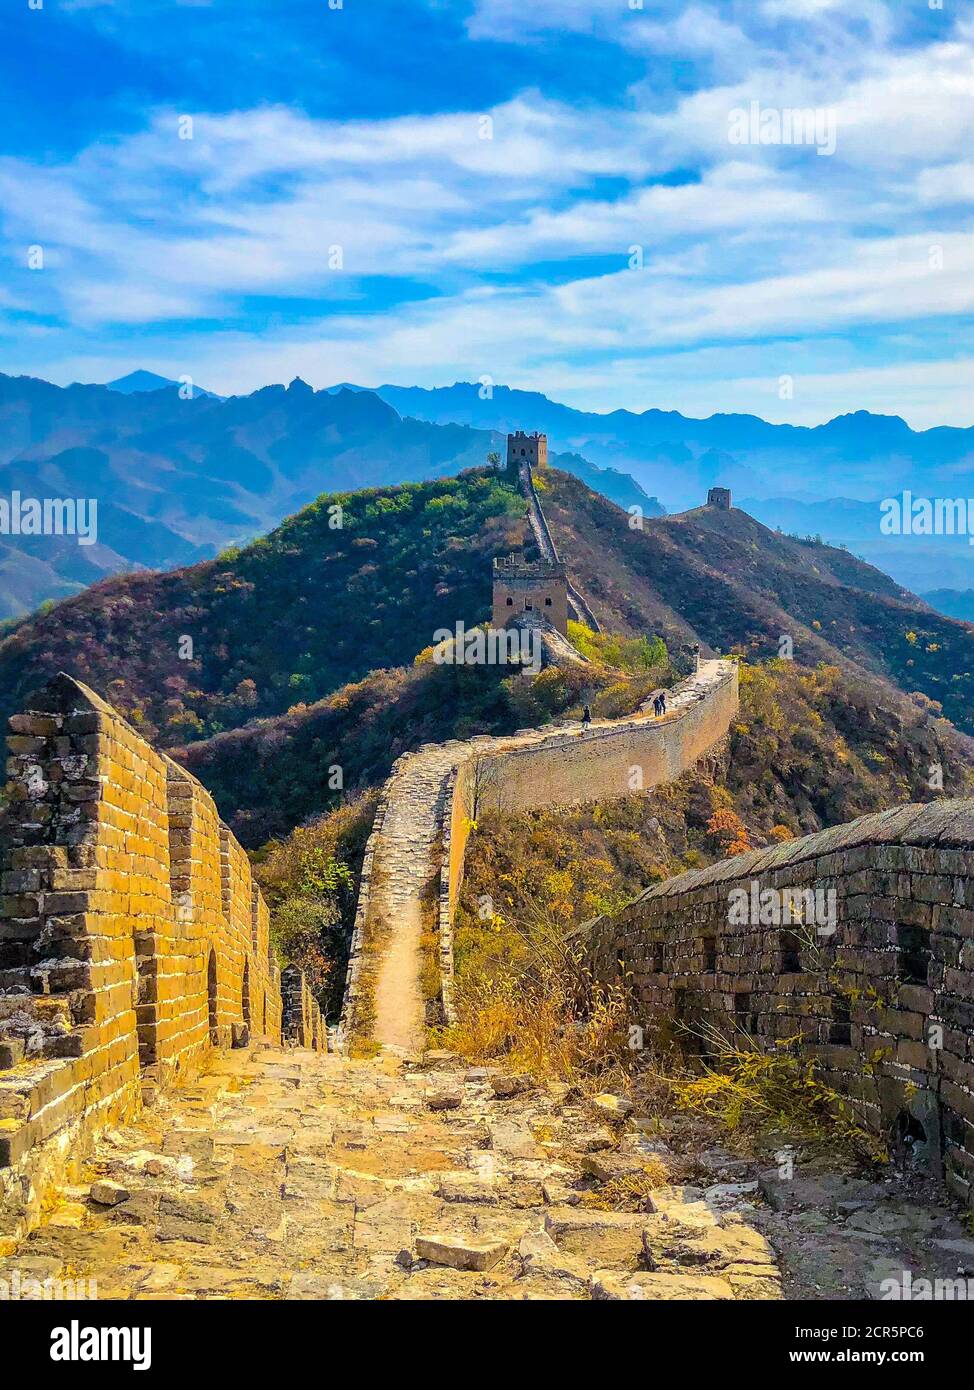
x: 288, y: 1174
x: 404, y: 896
x: 407, y: 865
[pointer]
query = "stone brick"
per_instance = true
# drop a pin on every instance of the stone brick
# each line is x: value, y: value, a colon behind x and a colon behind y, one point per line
x: 126, y: 903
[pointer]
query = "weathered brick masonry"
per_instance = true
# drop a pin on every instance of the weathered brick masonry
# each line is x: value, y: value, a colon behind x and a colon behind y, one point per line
x: 885, y: 1000
x: 132, y: 938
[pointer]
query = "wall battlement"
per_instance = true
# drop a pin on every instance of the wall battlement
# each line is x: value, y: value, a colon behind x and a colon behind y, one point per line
x: 133, y: 939
x: 873, y: 973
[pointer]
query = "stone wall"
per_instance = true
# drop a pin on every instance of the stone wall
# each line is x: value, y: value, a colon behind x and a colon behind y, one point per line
x: 857, y: 941
x: 132, y: 937
x: 448, y: 785
x: 612, y: 759
x: 578, y: 606
x: 355, y: 982
x: 457, y: 824
x: 301, y: 1021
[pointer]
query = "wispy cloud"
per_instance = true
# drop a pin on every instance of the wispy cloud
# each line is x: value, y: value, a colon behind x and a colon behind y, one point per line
x: 535, y: 239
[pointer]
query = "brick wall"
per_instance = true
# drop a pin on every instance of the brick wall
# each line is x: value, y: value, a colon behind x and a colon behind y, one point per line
x: 613, y: 760
x: 132, y: 938
x: 874, y: 972
x: 302, y: 1023
x: 540, y: 768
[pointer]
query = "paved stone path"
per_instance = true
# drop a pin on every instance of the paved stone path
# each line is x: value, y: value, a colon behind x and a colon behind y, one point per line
x: 291, y: 1174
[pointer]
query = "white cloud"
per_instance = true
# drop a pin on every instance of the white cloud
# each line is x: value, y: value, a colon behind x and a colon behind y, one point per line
x: 751, y: 243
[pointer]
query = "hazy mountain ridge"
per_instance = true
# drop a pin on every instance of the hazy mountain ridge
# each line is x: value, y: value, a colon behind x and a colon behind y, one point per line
x: 308, y: 608
x: 177, y: 479
x: 858, y: 457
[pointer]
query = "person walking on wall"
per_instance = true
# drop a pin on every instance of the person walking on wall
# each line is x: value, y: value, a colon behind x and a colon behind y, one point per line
x: 662, y: 702
x: 586, y: 718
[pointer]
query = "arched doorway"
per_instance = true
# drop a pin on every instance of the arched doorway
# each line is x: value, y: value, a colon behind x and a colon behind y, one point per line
x: 212, y: 998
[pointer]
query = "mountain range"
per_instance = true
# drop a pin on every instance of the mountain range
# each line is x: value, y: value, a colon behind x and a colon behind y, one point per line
x: 860, y: 455
x: 276, y: 661
x: 178, y: 479
x: 827, y: 479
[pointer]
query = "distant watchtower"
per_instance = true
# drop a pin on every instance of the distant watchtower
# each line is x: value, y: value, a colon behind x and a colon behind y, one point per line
x: 531, y: 449
x: 719, y: 497
x: 539, y: 590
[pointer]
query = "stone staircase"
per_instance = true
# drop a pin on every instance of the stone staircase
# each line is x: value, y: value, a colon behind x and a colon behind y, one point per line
x: 578, y: 605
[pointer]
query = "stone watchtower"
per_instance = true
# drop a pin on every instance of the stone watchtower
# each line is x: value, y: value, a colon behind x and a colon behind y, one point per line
x: 538, y: 590
x: 531, y: 449
x: 719, y: 497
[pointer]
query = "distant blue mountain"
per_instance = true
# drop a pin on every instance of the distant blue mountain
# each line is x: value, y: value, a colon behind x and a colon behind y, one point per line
x: 859, y: 456
x: 136, y: 382
x: 177, y: 479
x: 953, y: 603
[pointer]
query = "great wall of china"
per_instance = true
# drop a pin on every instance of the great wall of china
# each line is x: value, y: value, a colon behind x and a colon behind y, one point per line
x: 414, y: 862
x: 874, y: 975
x: 133, y: 941
x: 135, y: 950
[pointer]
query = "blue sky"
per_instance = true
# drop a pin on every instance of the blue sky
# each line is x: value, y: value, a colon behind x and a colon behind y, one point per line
x: 545, y: 193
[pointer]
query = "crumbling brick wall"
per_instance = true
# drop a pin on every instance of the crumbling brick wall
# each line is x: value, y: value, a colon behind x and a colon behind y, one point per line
x: 873, y: 973
x: 302, y: 1022
x: 132, y: 937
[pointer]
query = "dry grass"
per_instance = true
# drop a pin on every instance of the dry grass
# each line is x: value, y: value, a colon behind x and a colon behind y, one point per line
x: 634, y: 1192
x: 768, y: 1098
x: 523, y: 997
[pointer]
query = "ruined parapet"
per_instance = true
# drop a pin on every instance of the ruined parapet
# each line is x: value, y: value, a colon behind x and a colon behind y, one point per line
x: 72, y: 841
x: 457, y: 820
x: 302, y: 1024
x: 856, y: 941
x: 719, y: 497
x: 127, y: 931
x: 292, y: 1005
x: 355, y: 976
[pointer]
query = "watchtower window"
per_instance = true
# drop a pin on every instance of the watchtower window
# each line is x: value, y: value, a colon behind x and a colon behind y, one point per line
x: 709, y: 954
x: 547, y: 603
x: 528, y: 606
x: 510, y: 603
